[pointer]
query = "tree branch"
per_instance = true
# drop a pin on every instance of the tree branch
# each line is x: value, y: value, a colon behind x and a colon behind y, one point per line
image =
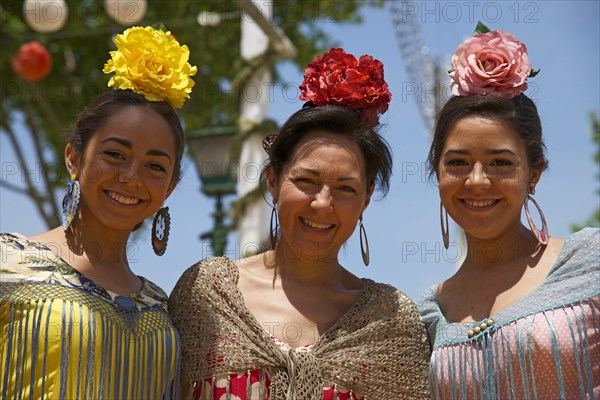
x: 49, y: 186
x: 14, y: 188
x: 31, y: 190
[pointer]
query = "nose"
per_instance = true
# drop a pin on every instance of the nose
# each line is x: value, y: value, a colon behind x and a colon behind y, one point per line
x: 129, y: 173
x: 477, y: 176
x: 322, y: 200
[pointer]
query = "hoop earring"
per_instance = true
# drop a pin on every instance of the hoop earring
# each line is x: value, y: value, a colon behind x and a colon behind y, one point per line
x: 363, y: 232
x: 70, y: 202
x: 445, y: 232
x: 273, y: 228
x: 540, y: 235
x: 161, y: 226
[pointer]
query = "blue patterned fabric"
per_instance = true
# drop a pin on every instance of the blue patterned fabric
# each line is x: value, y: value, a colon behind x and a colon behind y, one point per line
x: 544, y: 346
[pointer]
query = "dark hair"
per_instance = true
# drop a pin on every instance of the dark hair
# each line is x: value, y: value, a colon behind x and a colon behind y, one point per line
x: 519, y: 114
x: 337, y: 120
x: 95, y: 114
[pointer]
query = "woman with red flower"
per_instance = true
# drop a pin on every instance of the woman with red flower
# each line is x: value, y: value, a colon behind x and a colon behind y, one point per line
x: 520, y: 319
x: 292, y: 323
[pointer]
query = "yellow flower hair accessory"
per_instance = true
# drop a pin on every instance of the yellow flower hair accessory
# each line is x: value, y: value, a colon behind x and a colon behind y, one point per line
x: 151, y: 62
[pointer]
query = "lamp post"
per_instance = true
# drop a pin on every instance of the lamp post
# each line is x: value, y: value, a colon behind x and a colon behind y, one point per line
x: 210, y: 149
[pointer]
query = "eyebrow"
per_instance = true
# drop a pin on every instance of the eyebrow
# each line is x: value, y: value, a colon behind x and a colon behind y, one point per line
x: 490, y: 151
x: 129, y: 145
x: 316, y: 172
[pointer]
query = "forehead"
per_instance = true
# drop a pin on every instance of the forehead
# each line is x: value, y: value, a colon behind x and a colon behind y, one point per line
x: 321, y: 149
x: 480, y: 132
x: 141, y: 126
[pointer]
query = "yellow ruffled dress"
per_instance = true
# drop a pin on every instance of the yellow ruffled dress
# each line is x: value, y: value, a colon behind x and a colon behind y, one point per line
x: 64, y: 337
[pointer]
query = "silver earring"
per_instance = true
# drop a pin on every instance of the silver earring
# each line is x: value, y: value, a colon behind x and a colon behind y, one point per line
x: 364, y: 244
x: 445, y: 233
x: 161, y: 226
x: 273, y: 226
x: 542, y: 235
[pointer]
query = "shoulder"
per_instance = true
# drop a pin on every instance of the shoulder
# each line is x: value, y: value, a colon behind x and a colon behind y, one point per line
x: 430, y: 312
x: 197, y: 280
x: 427, y: 303
x: 153, y: 291
x: 391, y: 302
x: 585, y: 240
x: 13, y: 244
x: 580, y: 254
x: 209, y: 267
x: 391, y: 312
x: 22, y: 259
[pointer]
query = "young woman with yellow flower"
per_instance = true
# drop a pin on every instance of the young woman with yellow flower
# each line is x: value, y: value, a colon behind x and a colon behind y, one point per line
x: 75, y: 321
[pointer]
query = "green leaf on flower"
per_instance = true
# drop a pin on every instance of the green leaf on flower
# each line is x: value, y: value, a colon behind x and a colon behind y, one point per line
x: 481, y: 28
x: 160, y: 27
x: 533, y: 73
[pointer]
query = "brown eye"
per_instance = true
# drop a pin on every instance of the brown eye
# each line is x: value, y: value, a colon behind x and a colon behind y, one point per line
x: 157, y: 167
x: 114, y: 154
x: 502, y: 163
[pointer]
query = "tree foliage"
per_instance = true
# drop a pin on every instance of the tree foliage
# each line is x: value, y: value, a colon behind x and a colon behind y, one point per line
x: 36, y: 116
x: 594, y: 219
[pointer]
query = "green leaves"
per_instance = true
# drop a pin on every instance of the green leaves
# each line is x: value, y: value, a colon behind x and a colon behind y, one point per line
x: 481, y: 28
x: 81, y: 48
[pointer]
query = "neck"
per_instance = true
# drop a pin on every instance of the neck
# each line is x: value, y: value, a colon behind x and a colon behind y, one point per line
x: 505, y: 249
x: 294, y: 264
x: 101, y: 247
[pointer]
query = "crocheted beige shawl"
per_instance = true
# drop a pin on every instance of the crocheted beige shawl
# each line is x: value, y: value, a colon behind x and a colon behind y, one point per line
x: 378, y: 348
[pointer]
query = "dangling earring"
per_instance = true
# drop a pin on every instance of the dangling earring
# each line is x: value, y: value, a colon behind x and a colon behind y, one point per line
x: 445, y: 232
x: 363, y: 233
x: 70, y: 202
x: 161, y: 225
x: 273, y: 228
x: 541, y: 236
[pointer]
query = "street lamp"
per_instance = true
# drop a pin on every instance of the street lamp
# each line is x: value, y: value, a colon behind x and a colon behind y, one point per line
x: 210, y: 149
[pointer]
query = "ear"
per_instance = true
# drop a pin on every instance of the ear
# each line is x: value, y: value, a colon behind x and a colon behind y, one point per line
x: 170, y: 189
x: 72, y: 160
x: 272, y: 183
x: 534, y: 178
x: 368, y: 199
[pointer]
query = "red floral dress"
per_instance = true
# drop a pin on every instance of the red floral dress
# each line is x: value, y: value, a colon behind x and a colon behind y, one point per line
x: 233, y: 386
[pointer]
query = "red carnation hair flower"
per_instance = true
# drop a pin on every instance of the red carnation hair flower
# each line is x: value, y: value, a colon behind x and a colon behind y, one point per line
x: 339, y: 78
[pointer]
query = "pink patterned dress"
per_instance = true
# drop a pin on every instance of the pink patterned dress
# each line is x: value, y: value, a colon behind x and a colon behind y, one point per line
x: 233, y: 386
x: 544, y: 346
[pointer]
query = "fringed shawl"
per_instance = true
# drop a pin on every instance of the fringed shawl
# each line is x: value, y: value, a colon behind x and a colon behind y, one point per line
x: 378, y: 348
x: 545, y: 346
x: 63, y: 337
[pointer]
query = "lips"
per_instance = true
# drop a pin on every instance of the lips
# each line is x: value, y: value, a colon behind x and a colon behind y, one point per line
x: 314, y: 225
x: 121, y: 199
x: 480, y: 203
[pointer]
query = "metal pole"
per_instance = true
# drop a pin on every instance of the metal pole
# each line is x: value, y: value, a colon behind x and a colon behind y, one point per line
x: 220, y: 232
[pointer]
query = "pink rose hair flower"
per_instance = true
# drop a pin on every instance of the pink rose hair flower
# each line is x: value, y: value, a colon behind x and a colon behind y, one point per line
x: 339, y: 78
x: 493, y: 63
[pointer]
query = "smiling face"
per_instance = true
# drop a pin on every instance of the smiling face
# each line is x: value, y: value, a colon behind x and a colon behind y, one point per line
x: 320, y: 194
x: 484, y: 177
x: 126, y: 169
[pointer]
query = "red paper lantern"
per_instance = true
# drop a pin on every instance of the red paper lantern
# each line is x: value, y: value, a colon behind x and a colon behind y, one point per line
x: 32, y: 62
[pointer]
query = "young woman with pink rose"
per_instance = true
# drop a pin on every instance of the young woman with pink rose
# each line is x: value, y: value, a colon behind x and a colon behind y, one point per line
x: 520, y: 319
x: 292, y: 323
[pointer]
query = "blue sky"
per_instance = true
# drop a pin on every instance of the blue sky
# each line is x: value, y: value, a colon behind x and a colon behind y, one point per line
x: 563, y: 38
